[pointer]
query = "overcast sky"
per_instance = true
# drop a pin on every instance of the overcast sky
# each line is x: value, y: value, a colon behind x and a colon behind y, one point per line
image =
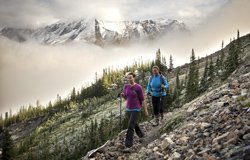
x: 26, y: 13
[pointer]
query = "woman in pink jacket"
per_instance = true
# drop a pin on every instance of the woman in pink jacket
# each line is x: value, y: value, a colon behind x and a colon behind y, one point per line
x: 134, y: 96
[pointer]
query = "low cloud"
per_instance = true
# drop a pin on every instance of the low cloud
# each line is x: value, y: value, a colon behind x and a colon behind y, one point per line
x: 206, y: 38
x: 30, y: 71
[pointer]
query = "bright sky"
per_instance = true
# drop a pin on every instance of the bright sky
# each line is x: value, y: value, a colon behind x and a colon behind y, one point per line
x: 42, y: 12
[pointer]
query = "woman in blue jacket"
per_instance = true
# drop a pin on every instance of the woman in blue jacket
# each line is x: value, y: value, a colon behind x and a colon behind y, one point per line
x: 157, y: 85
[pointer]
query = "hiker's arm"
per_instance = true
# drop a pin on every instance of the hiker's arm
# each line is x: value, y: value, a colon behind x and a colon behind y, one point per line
x: 165, y: 83
x: 148, y: 86
x: 123, y: 93
x: 145, y: 108
x: 144, y: 104
x: 141, y: 95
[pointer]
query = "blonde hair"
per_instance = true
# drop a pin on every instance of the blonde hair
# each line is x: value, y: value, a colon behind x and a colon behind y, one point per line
x: 156, y: 67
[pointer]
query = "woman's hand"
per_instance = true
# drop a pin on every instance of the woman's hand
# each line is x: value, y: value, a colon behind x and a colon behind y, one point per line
x: 162, y: 86
x: 145, y: 108
x: 122, y: 94
x: 146, y: 113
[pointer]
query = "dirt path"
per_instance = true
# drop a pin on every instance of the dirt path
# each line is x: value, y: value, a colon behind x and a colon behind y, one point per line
x: 153, y: 132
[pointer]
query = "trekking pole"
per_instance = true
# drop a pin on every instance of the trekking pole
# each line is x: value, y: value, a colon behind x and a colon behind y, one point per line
x: 120, y: 95
x: 120, y: 112
x: 150, y: 105
x: 161, y: 103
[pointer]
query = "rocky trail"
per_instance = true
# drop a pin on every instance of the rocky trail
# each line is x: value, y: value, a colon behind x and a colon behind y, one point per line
x: 213, y: 126
x: 117, y: 146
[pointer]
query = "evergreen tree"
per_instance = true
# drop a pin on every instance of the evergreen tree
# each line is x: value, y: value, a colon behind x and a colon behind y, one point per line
x: 164, y: 65
x: 169, y: 100
x: 232, y: 61
x: 58, y: 99
x: 178, y: 79
x: 92, y: 135
x: 235, y: 53
x: 196, y: 78
x: 222, y: 57
x: 1, y: 130
x: 10, y: 114
x: 158, y: 58
x: 198, y: 62
x: 193, y: 79
x: 1, y: 121
x: 238, y: 46
x: 177, y: 90
x: 6, y: 115
x: 217, y: 66
x: 186, y: 78
x: 158, y: 62
x: 101, y: 132
x: 73, y: 94
x: 7, y: 146
x: 96, y: 136
x: 50, y: 106
x: 211, y: 71
x: 171, y: 65
x: 204, y: 84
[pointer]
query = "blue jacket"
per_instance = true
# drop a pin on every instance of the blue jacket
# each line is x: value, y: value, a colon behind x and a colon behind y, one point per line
x: 154, y: 85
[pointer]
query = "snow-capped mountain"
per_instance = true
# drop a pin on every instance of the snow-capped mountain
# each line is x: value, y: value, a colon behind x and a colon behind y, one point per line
x: 96, y: 31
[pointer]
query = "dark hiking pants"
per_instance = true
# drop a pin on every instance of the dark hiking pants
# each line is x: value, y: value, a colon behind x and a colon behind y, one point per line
x: 132, y: 125
x: 158, y: 105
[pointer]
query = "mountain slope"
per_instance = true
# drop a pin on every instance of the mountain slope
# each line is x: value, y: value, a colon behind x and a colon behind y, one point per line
x: 96, y: 31
x: 79, y: 126
x: 213, y: 126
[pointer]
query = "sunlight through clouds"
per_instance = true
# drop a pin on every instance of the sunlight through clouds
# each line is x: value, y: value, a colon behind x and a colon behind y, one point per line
x: 44, y: 12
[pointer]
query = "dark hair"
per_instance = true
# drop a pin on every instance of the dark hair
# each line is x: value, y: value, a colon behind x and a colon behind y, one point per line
x: 131, y: 73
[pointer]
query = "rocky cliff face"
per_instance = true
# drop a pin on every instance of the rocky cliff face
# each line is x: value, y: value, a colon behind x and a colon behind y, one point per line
x: 96, y: 31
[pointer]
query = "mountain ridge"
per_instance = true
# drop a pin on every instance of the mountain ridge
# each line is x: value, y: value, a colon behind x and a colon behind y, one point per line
x: 96, y: 31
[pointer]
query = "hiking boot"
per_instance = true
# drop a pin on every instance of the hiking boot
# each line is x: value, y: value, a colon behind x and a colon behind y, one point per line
x: 139, y: 133
x: 141, y: 139
x: 128, y: 144
x: 160, y: 122
x: 156, y: 122
x: 162, y: 118
x: 127, y: 150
